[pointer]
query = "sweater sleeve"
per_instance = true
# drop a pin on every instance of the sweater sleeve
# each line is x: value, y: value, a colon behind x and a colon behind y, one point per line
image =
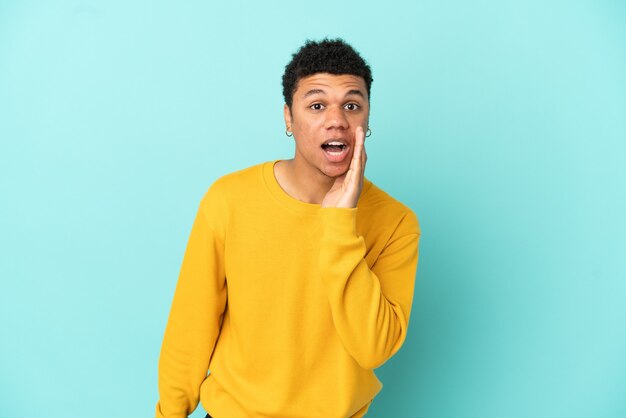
x: 370, y: 307
x: 194, y: 322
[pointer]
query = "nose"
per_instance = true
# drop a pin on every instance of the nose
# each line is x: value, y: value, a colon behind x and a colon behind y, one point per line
x: 335, y: 118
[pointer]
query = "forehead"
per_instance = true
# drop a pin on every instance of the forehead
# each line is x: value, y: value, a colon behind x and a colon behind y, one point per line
x: 330, y: 84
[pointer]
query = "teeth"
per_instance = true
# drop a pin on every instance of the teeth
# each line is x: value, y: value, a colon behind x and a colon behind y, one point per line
x: 334, y: 144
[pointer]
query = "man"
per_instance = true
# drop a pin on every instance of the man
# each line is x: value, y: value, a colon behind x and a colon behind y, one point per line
x: 298, y: 276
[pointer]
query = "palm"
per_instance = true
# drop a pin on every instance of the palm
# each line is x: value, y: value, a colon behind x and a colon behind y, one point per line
x: 346, y: 190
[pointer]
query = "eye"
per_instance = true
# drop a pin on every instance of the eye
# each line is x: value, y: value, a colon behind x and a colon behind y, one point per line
x: 352, y: 106
x: 317, y: 106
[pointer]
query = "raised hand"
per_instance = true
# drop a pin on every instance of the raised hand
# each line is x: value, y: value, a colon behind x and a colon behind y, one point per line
x: 346, y: 190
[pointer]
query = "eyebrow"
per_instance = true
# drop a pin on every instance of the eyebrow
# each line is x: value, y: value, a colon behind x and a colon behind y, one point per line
x: 354, y: 92
x: 314, y: 91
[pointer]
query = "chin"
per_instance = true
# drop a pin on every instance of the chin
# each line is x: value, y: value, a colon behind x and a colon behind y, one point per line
x: 334, y: 172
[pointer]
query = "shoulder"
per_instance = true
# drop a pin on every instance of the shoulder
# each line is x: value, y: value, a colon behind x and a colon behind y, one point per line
x: 228, y: 189
x: 237, y: 182
x: 379, y: 207
x: 242, y: 178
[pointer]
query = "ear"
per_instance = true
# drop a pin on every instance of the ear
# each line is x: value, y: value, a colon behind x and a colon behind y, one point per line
x: 287, y: 115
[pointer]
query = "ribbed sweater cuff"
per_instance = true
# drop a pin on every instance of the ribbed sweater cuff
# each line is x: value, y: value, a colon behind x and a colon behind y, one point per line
x: 338, y: 222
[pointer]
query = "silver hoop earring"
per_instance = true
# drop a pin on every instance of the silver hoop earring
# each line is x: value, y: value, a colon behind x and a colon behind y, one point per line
x: 288, y: 133
x: 369, y: 133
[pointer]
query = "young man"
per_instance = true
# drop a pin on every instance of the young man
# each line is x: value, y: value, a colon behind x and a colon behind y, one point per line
x: 298, y: 276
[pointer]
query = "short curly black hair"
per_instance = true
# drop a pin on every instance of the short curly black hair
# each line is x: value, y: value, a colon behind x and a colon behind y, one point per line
x: 333, y: 56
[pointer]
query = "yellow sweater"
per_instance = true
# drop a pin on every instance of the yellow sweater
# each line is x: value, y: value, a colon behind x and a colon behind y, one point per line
x: 289, y: 305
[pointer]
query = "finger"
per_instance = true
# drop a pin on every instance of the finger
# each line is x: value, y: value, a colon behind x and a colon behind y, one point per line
x: 363, y: 161
x: 364, y: 153
x: 360, y: 140
x: 358, y: 148
x: 355, y: 164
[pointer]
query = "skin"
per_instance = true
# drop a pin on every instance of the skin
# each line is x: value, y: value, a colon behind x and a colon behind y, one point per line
x: 326, y: 107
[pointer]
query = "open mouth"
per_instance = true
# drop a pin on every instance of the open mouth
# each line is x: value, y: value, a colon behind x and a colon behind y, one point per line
x: 334, y: 147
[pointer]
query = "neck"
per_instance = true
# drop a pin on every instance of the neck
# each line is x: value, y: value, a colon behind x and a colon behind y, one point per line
x: 309, y: 186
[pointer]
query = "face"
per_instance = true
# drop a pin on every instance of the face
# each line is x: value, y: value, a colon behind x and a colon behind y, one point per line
x: 325, y: 112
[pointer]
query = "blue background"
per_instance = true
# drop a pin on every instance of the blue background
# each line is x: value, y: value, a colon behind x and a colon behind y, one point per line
x: 501, y: 123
